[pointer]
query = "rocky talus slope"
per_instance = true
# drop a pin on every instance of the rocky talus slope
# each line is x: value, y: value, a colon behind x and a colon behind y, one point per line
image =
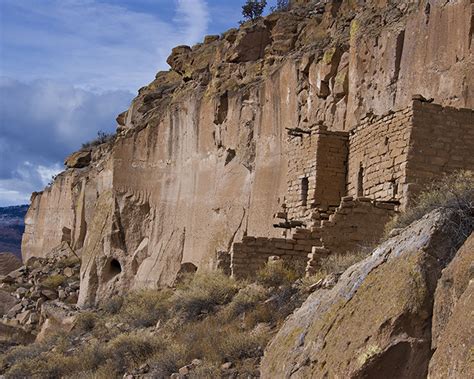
x: 387, y: 314
x: 200, y: 158
x: 30, y: 292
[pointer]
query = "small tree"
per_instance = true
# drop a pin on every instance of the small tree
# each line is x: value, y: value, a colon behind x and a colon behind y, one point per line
x: 253, y: 9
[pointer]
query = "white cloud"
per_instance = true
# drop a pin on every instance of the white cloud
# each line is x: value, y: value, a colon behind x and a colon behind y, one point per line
x: 193, y: 16
x: 93, y: 44
x: 41, y: 123
x: 72, y: 66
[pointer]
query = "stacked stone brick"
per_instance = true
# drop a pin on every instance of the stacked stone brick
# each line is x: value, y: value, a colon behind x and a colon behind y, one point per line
x: 252, y: 253
x: 316, y: 171
x: 378, y: 153
x: 442, y: 141
x: 381, y: 165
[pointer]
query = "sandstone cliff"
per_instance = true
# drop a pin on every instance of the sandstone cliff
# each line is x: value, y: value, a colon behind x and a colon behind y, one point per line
x: 200, y: 158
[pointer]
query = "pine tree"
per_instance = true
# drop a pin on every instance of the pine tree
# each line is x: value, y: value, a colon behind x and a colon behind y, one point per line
x: 253, y: 9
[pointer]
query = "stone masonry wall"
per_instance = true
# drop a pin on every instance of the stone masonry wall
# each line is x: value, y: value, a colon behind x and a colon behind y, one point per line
x: 316, y: 171
x: 355, y: 224
x: 250, y: 255
x: 378, y: 152
x: 442, y: 141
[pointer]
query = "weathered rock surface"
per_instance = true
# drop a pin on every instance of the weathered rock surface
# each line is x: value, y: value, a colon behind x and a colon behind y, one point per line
x: 200, y: 158
x: 453, y: 318
x: 79, y: 159
x: 376, y: 321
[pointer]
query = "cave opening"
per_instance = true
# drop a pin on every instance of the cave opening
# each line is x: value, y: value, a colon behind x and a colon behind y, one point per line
x: 115, y: 268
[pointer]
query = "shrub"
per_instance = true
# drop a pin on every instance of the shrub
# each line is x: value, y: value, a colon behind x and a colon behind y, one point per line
x: 86, y: 322
x: 113, y: 305
x: 54, y: 281
x: 144, y: 308
x: 203, y: 293
x: 276, y: 274
x: 253, y: 9
x: 101, y: 138
x: 452, y: 192
x: 130, y: 350
x: 70, y: 261
x: 246, y: 299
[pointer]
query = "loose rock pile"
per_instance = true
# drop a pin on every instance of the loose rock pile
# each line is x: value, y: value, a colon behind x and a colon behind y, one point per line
x: 40, y: 281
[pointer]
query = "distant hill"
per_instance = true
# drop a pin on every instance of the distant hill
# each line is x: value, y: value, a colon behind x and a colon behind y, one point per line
x: 12, y: 225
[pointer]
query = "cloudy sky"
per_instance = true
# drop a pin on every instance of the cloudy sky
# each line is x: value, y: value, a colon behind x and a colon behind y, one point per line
x: 68, y: 67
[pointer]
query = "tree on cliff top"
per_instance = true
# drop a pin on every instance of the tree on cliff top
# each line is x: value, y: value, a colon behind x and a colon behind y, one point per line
x: 253, y: 9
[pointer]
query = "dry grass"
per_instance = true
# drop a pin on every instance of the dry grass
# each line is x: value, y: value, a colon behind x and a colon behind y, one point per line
x: 203, y: 293
x: 142, y: 308
x: 277, y: 274
x: 210, y: 317
x: 54, y: 281
x: 454, y: 192
x: 338, y: 263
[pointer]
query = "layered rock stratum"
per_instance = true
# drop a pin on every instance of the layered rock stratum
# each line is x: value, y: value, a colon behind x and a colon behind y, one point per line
x: 201, y: 158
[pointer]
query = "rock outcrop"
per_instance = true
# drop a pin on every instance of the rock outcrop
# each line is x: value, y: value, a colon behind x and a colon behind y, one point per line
x: 377, y: 320
x: 453, y: 318
x: 201, y: 155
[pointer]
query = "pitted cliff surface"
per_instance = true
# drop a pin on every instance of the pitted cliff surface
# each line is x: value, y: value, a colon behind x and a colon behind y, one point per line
x: 200, y: 159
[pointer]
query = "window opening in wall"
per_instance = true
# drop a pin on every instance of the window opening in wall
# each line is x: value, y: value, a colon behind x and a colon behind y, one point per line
x: 360, y: 182
x: 394, y: 189
x: 304, y: 191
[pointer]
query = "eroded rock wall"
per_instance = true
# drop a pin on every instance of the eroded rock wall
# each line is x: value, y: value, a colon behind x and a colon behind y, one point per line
x: 201, y: 155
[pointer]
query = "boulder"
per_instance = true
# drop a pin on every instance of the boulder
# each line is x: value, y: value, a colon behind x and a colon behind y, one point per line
x: 79, y: 159
x: 453, y: 318
x: 58, y: 318
x: 348, y: 332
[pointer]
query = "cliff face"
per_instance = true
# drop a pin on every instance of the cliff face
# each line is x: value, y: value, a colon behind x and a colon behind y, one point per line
x: 200, y: 159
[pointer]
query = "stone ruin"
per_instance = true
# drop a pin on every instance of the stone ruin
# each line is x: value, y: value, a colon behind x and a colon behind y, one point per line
x: 284, y: 117
x: 343, y: 187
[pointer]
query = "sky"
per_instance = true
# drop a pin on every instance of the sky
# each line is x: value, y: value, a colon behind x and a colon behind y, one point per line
x: 69, y: 67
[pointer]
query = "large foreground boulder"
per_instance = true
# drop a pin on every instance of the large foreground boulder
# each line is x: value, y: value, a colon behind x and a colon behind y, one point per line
x: 376, y: 321
x: 453, y: 318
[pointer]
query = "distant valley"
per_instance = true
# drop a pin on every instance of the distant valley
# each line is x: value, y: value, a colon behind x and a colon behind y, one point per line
x: 12, y: 226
